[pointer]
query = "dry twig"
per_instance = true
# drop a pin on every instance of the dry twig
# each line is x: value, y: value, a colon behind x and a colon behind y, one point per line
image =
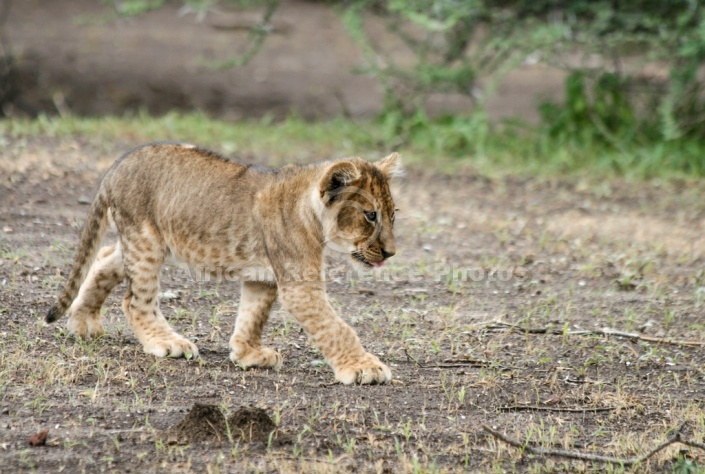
x: 458, y: 363
x: 559, y: 409
x: 600, y: 332
x: 675, y: 438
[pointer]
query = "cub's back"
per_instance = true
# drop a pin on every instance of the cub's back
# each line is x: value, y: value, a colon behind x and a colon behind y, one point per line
x: 180, y: 180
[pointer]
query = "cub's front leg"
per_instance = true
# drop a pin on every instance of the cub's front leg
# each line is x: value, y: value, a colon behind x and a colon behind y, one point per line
x: 340, y: 345
x: 245, y: 344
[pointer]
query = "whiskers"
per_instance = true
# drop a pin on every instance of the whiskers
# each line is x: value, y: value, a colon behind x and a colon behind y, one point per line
x: 357, y: 255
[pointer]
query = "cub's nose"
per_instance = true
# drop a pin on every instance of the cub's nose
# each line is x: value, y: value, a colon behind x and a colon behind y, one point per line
x: 387, y: 253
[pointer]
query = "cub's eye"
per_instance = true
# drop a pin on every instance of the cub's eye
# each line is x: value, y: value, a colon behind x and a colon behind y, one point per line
x: 371, y: 216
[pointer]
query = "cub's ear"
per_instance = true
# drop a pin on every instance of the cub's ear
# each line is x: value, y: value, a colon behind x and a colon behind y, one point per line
x: 391, y: 166
x: 338, y: 176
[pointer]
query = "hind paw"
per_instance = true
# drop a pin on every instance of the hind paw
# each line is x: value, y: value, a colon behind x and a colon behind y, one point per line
x: 85, y: 327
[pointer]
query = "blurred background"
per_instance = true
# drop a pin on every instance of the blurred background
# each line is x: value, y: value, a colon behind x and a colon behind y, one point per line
x: 548, y: 85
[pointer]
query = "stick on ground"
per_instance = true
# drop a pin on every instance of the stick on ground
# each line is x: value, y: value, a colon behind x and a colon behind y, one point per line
x: 556, y: 409
x: 599, y: 332
x: 675, y: 438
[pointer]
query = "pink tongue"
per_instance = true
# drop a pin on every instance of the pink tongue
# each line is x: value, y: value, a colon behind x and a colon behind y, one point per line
x: 378, y: 264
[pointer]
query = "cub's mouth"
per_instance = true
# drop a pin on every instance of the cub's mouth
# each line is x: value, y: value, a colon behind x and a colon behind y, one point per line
x: 357, y: 256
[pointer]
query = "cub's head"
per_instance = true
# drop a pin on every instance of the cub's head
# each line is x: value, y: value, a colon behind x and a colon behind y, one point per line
x: 358, y: 209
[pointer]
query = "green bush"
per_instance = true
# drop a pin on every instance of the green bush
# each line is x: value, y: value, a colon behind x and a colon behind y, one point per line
x: 605, y: 116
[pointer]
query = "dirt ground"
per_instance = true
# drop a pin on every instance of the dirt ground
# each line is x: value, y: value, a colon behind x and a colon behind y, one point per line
x: 503, y: 340
x: 80, y: 61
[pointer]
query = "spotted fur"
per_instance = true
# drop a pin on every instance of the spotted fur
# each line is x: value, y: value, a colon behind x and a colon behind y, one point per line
x: 223, y: 217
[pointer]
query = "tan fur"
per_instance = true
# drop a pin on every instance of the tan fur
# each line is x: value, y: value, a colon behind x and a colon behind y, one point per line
x: 226, y: 218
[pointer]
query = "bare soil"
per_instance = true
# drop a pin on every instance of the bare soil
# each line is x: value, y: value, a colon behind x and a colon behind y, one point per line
x: 550, y: 257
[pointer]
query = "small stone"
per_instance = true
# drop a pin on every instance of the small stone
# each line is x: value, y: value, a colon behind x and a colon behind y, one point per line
x: 169, y: 295
x: 84, y: 200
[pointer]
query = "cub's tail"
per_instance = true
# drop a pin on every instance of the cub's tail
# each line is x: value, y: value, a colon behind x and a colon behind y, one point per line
x: 92, y: 235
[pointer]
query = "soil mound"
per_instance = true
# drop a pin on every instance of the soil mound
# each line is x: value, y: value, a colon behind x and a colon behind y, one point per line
x: 203, y: 423
x: 251, y: 424
x: 206, y: 423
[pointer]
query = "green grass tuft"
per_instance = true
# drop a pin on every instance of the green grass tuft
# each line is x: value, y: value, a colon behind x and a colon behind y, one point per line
x: 444, y: 144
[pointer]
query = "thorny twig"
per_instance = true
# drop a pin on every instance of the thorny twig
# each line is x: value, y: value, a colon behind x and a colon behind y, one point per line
x: 676, y: 437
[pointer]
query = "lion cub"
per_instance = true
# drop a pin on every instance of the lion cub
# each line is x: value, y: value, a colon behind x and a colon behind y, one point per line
x: 223, y: 217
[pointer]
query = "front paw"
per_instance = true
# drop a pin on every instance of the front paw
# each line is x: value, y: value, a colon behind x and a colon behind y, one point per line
x: 368, y: 369
x: 171, y: 345
x: 247, y: 356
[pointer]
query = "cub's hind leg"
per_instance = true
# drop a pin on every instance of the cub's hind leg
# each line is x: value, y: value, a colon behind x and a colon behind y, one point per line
x: 105, y: 274
x: 245, y: 344
x: 144, y: 252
